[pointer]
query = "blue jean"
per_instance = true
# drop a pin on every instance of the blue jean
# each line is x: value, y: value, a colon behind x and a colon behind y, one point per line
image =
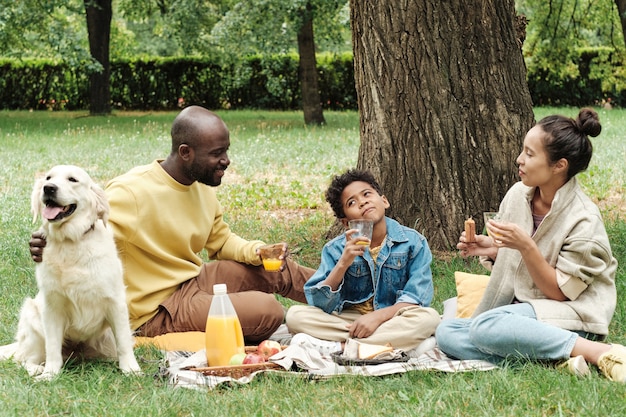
x: 510, y: 331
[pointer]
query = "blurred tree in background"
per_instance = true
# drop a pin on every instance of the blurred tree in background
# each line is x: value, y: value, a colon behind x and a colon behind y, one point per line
x: 567, y: 40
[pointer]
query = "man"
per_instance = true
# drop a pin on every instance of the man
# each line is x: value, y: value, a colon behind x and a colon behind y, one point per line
x: 164, y: 214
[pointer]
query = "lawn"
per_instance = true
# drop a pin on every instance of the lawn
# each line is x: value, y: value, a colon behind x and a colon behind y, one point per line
x: 273, y: 191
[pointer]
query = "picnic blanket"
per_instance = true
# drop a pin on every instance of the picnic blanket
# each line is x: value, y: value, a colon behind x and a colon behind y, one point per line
x: 296, y: 361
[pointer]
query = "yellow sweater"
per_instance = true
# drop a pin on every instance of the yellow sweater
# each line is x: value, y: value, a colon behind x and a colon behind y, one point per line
x: 160, y: 228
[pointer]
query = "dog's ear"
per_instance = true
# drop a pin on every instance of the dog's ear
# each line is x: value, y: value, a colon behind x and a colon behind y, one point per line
x: 102, y: 203
x: 35, y: 199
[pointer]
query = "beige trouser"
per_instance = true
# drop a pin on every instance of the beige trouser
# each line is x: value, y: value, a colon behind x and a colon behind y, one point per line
x: 406, y: 330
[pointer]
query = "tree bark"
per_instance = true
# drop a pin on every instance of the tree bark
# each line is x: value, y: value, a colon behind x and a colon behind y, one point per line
x: 444, y: 106
x: 307, y: 68
x: 99, y: 14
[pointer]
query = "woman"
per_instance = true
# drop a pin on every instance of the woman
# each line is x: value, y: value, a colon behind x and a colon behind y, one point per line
x: 552, y: 293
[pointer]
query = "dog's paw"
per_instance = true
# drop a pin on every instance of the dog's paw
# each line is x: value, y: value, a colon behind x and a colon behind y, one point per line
x: 50, y: 371
x: 129, y: 366
x: 133, y: 371
x: 46, y: 376
x: 32, y: 368
x: 8, y: 351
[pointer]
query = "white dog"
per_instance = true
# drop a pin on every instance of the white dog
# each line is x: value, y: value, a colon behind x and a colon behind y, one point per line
x: 81, y: 304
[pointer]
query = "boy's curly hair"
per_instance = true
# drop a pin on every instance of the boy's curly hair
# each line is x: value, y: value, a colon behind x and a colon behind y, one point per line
x: 340, y: 182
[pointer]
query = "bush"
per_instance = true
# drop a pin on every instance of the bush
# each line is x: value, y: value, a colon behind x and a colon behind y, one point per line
x: 165, y: 83
x: 574, y: 77
x: 42, y: 84
x: 264, y: 82
x: 579, y: 77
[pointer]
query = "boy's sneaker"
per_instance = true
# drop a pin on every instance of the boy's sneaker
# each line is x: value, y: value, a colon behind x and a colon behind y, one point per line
x: 613, y: 363
x: 325, y: 347
x: 428, y: 344
x: 281, y: 335
x: 577, y: 366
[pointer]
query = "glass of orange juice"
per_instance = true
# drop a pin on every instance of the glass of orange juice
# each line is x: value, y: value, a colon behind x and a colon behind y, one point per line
x: 491, y: 215
x: 364, y: 228
x: 270, y: 254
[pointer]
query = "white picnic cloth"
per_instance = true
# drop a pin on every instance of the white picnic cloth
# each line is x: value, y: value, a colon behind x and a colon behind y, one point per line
x: 310, y: 364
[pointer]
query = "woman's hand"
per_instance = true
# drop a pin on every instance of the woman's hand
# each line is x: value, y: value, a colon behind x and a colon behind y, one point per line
x: 483, y: 246
x: 509, y: 235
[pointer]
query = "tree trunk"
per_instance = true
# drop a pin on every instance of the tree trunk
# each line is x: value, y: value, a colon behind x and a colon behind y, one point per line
x: 311, y: 102
x: 444, y: 106
x: 99, y: 14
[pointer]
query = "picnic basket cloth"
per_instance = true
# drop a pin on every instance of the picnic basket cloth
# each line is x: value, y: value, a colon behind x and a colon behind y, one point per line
x: 296, y: 361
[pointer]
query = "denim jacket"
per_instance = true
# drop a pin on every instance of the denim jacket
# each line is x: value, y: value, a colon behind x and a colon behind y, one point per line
x: 401, y: 274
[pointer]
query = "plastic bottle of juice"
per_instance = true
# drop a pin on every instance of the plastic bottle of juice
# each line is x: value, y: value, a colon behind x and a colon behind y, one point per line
x: 224, y: 337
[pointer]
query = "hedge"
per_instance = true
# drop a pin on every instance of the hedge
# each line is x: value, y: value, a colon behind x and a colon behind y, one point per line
x: 589, y: 76
x: 271, y: 82
x: 268, y: 82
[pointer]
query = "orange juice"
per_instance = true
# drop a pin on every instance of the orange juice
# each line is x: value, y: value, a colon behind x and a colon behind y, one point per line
x: 224, y: 338
x: 362, y: 242
x: 488, y: 215
x: 494, y: 235
x: 272, y: 264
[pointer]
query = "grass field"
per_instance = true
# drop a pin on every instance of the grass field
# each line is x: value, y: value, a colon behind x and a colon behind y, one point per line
x: 273, y: 191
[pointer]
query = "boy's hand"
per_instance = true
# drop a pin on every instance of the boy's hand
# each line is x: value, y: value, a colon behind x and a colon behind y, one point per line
x: 353, y: 248
x: 36, y: 244
x: 367, y: 324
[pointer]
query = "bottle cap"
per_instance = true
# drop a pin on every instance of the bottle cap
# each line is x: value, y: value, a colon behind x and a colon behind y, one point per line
x: 219, y: 289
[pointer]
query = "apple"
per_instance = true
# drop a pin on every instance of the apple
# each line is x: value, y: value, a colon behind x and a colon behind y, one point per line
x: 237, y: 359
x: 268, y: 348
x: 253, y: 358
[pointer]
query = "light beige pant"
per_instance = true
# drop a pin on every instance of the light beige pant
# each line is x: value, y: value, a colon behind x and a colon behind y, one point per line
x: 406, y: 330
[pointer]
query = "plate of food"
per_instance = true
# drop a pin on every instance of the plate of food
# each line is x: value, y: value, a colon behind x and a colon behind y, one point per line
x: 358, y: 353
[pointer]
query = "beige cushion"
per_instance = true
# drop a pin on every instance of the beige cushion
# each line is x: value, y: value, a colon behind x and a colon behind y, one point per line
x: 469, y: 289
x: 188, y: 341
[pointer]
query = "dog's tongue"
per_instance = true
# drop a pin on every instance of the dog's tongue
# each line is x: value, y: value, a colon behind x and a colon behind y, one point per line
x: 50, y: 213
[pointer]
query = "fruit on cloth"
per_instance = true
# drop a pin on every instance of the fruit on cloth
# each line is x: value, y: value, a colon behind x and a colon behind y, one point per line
x: 237, y: 359
x: 253, y: 358
x: 268, y: 348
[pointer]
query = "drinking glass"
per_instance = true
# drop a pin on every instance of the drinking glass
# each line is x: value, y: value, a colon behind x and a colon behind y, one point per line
x: 364, y: 228
x: 270, y: 255
x: 490, y: 215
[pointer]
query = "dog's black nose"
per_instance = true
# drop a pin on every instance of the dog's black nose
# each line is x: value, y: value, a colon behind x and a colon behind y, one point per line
x: 50, y: 189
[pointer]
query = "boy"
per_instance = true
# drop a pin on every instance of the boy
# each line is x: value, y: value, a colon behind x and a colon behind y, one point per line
x: 377, y: 294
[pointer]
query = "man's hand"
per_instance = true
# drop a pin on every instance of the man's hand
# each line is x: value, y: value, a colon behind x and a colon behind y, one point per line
x: 36, y: 244
x: 270, y: 252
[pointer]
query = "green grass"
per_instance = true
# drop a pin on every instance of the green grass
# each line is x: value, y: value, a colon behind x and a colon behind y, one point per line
x: 273, y: 190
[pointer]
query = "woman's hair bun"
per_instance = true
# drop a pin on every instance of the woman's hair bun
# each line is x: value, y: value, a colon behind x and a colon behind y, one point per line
x: 588, y: 122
